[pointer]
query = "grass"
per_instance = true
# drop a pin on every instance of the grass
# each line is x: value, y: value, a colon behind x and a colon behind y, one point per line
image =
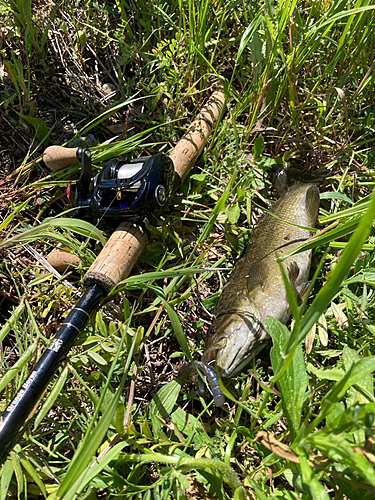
x: 114, y: 422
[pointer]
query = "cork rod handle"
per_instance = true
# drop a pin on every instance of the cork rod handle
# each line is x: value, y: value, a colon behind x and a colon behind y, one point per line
x: 57, y: 157
x: 188, y: 149
x: 118, y: 257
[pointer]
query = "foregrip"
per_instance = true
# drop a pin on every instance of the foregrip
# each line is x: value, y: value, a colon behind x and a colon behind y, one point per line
x: 117, y: 259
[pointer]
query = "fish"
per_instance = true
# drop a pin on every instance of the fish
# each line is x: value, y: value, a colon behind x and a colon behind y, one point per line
x: 256, y: 288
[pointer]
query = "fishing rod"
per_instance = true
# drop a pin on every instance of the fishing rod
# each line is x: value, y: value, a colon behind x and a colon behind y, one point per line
x: 123, y: 193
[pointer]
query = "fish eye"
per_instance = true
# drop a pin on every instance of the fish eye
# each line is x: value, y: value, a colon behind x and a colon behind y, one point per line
x: 211, y: 331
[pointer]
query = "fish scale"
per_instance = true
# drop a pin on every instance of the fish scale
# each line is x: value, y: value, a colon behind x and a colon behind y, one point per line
x: 256, y: 288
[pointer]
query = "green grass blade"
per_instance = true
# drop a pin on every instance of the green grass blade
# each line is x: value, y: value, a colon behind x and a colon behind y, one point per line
x: 78, y: 226
x: 18, y: 365
x: 84, y: 455
x: 175, y: 321
x: 6, y: 477
x: 310, y: 484
x: 12, y: 321
x: 15, y: 212
x: 53, y: 395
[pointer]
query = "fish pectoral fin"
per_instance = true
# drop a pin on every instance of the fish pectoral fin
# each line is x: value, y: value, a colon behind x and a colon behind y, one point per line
x: 312, y: 204
x: 293, y: 272
x: 256, y: 276
x: 302, y: 291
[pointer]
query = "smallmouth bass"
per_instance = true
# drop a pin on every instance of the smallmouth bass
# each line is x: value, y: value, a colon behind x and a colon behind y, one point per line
x: 256, y: 289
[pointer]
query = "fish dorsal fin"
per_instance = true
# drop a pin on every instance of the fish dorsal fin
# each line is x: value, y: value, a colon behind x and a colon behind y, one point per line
x: 257, y: 275
x: 293, y: 272
x: 312, y: 204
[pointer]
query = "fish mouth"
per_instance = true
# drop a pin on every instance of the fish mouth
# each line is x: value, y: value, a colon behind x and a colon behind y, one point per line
x: 243, y: 336
x: 210, y: 354
x: 230, y: 350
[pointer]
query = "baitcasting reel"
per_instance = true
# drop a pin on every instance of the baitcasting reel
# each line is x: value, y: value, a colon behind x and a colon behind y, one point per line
x: 122, y: 189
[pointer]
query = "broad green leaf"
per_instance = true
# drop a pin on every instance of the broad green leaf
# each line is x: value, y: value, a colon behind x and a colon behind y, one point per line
x: 365, y: 385
x: 258, y: 146
x: 233, y: 212
x: 325, y: 373
x: 338, y: 449
x: 163, y: 402
x: 198, y: 177
x: 97, y: 358
x: 189, y: 425
x: 355, y: 374
x: 309, y: 482
x: 42, y: 132
x: 293, y: 383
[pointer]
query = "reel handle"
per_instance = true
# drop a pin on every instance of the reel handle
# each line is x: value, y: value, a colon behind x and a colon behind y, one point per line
x: 122, y: 250
x: 58, y: 157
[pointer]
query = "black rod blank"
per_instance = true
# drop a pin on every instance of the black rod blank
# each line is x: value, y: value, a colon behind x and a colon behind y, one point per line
x: 32, y: 389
